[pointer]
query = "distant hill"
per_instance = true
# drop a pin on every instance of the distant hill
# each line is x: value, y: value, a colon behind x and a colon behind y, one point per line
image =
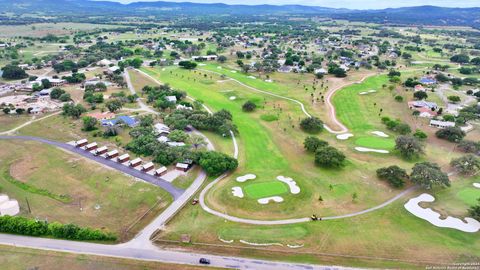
x: 409, y: 15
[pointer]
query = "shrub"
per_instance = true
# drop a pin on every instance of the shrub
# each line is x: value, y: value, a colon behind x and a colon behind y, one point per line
x: 394, y: 175
x: 311, y: 124
x: 329, y: 156
x: 311, y: 144
x: 452, y: 134
x: 216, y: 163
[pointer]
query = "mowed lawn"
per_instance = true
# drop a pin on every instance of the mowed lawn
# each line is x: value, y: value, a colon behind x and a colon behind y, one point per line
x: 376, y: 143
x: 265, y: 189
x: 93, y: 195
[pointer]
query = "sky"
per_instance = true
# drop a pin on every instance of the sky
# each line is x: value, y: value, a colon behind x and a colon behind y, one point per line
x: 351, y: 4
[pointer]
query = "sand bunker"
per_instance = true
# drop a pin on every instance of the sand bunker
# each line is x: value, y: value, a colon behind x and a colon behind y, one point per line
x: 367, y: 92
x: 294, y: 189
x: 201, y: 64
x: 344, y: 136
x: 268, y: 80
x: 380, y: 134
x: 276, y: 199
x: 260, y: 244
x: 477, y: 185
x: 219, y: 67
x: 471, y: 225
x: 232, y: 98
x: 364, y: 149
x: 246, y: 177
x: 251, y: 77
x: 233, y: 71
x: 237, y: 192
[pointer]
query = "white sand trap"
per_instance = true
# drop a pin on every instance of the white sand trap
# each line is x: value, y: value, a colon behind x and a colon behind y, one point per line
x: 246, y: 177
x: 201, y: 64
x: 233, y: 71
x: 163, y: 69
x: 276, y: 199
x: 344, y: 136
x: 219, y: 67
x: 260, y: 244
x: 380, y: 134
x: 471, y: 225
x: 477, y: 185
x: 232, y: 98
x: 364, y: 149
x: 237, y: 192
x: 363, y: 93
x: 294, y: 189
x: 269, y: 80
x: 225, y: 241
x: 372, y: 91
x: 251, y: 77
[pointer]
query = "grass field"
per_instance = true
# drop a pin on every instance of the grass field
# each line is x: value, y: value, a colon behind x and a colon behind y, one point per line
x: 62, y: 187
x: 265, y: 189
x: 14, y: 258
x: 8, y: 122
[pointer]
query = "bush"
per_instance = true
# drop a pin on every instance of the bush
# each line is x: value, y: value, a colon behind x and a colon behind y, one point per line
x: 329, y: 156
x: 311, y: 124
x: 428, y: 174
x: 394, y: 175
x: 249, y: 106
x: 32, y: 227
x: 12, y: 72
x: 467, y: 165
x: 409, y: 147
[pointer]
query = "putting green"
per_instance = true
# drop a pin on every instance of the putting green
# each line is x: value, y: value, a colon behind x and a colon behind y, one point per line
x: 376, y: 143
x: 265, y: 189
x: 469, y: 195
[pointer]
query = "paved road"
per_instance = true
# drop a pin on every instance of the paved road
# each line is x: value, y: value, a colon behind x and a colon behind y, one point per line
x: 175, y: 192
x: 148, y: 254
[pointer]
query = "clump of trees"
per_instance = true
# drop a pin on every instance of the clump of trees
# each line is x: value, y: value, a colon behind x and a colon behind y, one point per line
x: 72, y: 110
x: 311, y: 125
x: 395, y: 175
x: 474, y: 211
x: 187, y: 64
x: 312, y: 144
x: 216, y: 163
x: 328, y: 156
x: 396, y: 126
x: 13, y: 72
x: 33, y: 227
x: 452, y: 134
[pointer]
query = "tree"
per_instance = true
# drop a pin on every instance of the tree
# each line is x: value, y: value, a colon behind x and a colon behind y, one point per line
x: 65, y: 97
x: 428, y: 174
x: 114, y: 105
x: 197, y: 141
x: 420, y: 135
x: 178, y: 135
x: 74, y: 111
x: 222, y: 59
x: 474, y: 211
x: 420, y: 95
x: 89, y: 123
x: 468, y: 164
x: 56, y: 93
x: 46, y: 83
x: 454, y: 99
x: 187, y: 64
x: 311, y: 125
x: 395, y: 175
x: 469, y: 146
x: 249, y: 106
x: 460, y: 58
x: 409, y: 147
x: 6, y: 110
x: 311, y: 144
x: 329, y: 156
x: 13, y: 72
x: 216, y: 163
x: 452, y: 134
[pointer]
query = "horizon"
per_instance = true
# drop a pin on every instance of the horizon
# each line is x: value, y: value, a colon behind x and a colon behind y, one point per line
x: 348, y: 4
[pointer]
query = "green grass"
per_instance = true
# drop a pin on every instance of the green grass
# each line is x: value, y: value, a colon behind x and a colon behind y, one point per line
x: 375, y: 142
x: 265, y: 189
x: 269, y: 117
x: 469, y: 195
x: 269, y: 234
x: 5, y: 174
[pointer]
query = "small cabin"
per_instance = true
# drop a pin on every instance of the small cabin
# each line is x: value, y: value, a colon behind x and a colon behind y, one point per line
x: 161, y: 171
x: 112, y: 154
x: 135, y: 162
x: 91, y: 146
x: 81, y: 143
x: 100, y: 151
x: 123, y: 158
x: 182, y: 167
x: 147, y: 167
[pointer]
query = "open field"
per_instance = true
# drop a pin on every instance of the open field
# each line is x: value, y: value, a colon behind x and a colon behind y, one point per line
x: 43, y: 29
x: 101, y: 198
x: 14, y: 258
x: 8, y: 122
